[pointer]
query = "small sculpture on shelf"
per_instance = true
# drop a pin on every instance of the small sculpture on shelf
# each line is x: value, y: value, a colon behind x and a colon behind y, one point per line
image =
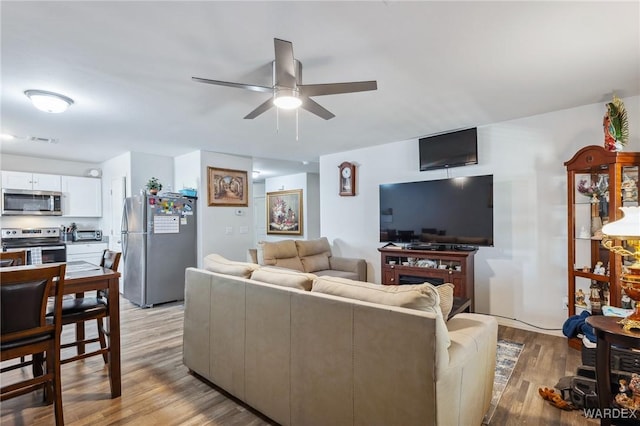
x: 599, y: 268
x: 616, y: 125
x: 580, y: 296
x: 594, y: 298
x: 629, y: 189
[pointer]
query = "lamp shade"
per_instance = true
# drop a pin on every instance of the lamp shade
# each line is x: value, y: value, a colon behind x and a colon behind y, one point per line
x: 626, y: 228
x: 49, y: 101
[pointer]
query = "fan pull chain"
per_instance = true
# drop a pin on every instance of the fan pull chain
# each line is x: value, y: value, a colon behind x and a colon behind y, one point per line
x: 277, y: 120
x: 296, y: 125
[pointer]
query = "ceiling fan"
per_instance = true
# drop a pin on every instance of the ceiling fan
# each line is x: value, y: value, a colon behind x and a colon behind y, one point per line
x: 288, y: 90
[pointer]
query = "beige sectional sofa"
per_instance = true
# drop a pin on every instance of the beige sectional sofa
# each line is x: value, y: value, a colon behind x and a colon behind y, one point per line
x: 336, y: 355
x: 308, y: 256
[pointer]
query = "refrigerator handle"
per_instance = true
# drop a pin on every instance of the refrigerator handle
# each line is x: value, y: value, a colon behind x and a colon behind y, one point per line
x: 124, y: 237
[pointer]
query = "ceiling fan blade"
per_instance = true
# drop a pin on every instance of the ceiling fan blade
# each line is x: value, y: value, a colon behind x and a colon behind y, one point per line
x: 284, y: 64
x: 262, y: 108
x: 337, y: 88
x: 315, y: 108
x: 252, y: 87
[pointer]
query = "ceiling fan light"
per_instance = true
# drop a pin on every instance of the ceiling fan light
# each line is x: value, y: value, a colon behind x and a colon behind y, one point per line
x: 287, y: 99
x: 49, y: 101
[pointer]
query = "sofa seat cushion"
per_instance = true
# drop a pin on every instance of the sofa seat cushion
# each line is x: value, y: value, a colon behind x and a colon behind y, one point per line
x: 284, y: 277
x: 283, y: 254
x: 216, y: 263
x: 423, y: 297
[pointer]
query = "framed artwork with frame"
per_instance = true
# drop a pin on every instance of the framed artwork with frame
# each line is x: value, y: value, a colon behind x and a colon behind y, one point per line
x: 227, y: 187
x: 284, y: 212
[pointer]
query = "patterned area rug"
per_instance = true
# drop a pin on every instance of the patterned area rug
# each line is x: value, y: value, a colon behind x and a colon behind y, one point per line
x: 506, y: 359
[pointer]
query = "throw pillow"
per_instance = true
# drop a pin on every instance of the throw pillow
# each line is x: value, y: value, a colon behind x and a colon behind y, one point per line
x: 445, y: 291
x: 284, y: 277
x: 216, y: 263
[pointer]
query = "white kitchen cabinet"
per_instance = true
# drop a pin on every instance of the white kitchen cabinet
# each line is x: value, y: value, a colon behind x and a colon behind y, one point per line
x: 30, y: 181
x: 81, y: 196
x: 89, y: 252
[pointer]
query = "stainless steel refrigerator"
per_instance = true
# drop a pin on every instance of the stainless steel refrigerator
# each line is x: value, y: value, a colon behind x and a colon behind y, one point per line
x: 158, y: 243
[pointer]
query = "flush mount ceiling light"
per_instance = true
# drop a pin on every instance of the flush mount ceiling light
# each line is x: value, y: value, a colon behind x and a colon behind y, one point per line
x: 49, y: 101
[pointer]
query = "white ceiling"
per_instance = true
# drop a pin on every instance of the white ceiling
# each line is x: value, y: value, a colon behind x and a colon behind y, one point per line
x: 440, y: 66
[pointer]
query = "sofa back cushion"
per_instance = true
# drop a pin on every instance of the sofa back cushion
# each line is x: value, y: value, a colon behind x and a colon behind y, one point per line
x: 283, y: 254
x: 216, y: 263
x: 423, y: 297
x: 284, y: 277
x: 314, y: 254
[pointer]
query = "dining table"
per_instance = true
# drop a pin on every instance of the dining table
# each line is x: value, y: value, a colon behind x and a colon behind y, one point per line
x: 81, y: 277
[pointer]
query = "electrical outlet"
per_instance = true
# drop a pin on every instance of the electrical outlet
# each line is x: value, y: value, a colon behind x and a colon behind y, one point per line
x: 565, y: 303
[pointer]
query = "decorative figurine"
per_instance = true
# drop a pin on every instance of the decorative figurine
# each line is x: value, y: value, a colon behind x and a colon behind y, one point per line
x: 594, y: 298
x: 599, y: 268
x: 616, y: 125
x: 580, y: 296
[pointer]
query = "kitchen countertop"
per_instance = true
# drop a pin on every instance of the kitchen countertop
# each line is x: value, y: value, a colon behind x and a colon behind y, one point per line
x: 103, y: 241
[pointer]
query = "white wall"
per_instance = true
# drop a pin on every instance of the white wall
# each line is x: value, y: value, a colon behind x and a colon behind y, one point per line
x: 144, y: 166
x: 220, y: 229
x: 524, y: 276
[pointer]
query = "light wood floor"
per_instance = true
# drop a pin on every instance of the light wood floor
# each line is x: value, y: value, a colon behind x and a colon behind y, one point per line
x: 158, y: 390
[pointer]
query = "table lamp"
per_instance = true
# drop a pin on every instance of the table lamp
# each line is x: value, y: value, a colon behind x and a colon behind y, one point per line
x: 628, y: 229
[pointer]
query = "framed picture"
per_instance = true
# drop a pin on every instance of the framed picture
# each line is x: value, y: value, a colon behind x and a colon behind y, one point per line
x: 284, y: 212
x: 227, y: 187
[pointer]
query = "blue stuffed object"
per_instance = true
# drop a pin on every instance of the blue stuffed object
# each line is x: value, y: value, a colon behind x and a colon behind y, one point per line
x: 577, y: 324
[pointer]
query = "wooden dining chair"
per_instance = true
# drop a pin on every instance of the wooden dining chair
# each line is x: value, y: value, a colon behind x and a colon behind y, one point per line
x: 79, y: 310
x: 13, y: 258
x: 26, y: 330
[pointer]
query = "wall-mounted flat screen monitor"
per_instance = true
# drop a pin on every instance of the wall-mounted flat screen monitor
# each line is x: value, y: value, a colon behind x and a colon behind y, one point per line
x: 449, y: 150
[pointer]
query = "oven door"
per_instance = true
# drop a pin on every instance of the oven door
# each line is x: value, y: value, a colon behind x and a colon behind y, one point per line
x: 44, y: 254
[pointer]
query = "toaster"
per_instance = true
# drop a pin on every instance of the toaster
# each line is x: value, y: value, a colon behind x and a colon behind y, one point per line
x: 87, y: 235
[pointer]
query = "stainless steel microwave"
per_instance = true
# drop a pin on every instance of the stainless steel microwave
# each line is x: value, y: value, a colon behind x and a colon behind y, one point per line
x: 27, y: 202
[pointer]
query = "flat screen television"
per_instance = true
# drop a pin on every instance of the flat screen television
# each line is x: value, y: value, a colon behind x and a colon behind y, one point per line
x: 445, y: 213
x: 449, y: 150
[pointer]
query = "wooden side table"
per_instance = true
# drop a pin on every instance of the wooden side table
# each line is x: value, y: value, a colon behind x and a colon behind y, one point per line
x: 608, y: 332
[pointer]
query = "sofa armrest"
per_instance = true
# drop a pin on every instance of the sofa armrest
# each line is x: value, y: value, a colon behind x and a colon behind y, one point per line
x: 470, y: 369
x: 347, y: 264
x: 252, y: 255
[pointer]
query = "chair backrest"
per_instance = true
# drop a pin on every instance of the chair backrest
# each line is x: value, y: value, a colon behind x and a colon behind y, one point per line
x: 110, y: 259
x: 13, y: 258
x: 24, y: 293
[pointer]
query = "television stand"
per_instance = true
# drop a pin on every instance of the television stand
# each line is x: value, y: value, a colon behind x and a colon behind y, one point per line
x: 411, y: 266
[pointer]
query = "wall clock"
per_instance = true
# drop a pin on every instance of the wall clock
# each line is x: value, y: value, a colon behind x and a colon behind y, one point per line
x: 347, y: 179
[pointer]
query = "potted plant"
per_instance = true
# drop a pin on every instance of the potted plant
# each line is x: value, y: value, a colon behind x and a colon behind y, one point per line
x: 154, y: 185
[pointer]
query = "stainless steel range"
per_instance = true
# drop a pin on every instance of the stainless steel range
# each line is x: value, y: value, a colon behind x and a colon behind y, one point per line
x: 42, y: 244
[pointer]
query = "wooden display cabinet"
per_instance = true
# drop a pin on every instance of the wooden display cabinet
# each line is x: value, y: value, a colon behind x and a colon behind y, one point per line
x: 599, y: 182
x: 405, y: 266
